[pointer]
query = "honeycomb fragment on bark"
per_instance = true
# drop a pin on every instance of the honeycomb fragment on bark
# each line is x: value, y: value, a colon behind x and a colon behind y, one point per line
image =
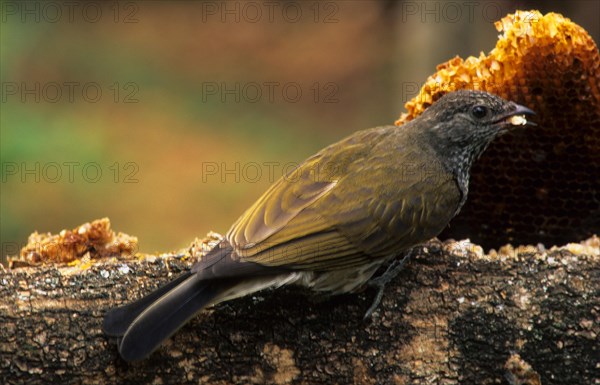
x: 534, y: 184
x: 92, y: 240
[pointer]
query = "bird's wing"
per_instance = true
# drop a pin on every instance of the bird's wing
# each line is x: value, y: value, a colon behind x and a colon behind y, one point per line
x: 282, y: 202
x: 357, y: 222
x: 299, y: 189
x: 287, y: 224
x: 337, y: 209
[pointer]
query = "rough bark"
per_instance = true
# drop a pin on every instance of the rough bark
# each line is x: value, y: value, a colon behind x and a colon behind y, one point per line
x: 450, y: 317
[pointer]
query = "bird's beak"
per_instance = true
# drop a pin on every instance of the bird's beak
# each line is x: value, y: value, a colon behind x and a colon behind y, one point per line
x: 516, y: 116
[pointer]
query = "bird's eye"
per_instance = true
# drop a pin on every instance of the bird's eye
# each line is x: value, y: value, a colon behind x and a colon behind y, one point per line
x: 479, y: 111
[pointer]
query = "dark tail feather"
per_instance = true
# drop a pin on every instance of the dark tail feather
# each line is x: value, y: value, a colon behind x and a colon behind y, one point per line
x: 117, y: 321
x: 167, y: 314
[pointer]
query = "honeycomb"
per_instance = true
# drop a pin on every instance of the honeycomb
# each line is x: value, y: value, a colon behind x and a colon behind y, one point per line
x: 90, y: 240
x: 535, y: 184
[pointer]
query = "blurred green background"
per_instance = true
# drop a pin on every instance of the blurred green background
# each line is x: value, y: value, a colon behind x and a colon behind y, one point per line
x: 171, y: 118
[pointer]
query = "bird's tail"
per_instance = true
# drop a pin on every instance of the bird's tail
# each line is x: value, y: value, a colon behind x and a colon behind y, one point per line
x: 118, y: 320
x: 143, y: 325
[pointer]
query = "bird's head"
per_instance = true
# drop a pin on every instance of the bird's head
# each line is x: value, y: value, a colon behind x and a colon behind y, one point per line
x: 463, y: 123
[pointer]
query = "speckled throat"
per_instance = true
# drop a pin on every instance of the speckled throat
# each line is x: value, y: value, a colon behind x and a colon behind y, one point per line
x: 460, y: 162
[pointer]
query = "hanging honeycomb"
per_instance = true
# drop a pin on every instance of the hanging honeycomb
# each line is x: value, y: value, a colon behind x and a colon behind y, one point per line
x: 534, y: 184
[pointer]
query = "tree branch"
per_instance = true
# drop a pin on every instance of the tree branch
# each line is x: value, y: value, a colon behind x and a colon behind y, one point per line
x: 450, y: 317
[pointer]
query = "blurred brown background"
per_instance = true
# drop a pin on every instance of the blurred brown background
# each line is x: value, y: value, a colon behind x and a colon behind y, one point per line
x: 171, y: 118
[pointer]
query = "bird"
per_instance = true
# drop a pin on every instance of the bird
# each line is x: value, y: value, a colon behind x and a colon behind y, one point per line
x: 334, y: 220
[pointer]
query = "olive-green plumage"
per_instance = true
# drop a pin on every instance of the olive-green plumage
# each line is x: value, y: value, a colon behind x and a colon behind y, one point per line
x: 335, y: 219
x: 360, y: 199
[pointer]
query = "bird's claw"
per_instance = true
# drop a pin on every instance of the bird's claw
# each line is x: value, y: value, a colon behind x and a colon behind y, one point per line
x: 390, y: 273
x: 376, y: 301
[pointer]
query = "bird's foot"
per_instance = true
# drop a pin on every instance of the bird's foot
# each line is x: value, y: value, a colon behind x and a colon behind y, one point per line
x: 390, y: 273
